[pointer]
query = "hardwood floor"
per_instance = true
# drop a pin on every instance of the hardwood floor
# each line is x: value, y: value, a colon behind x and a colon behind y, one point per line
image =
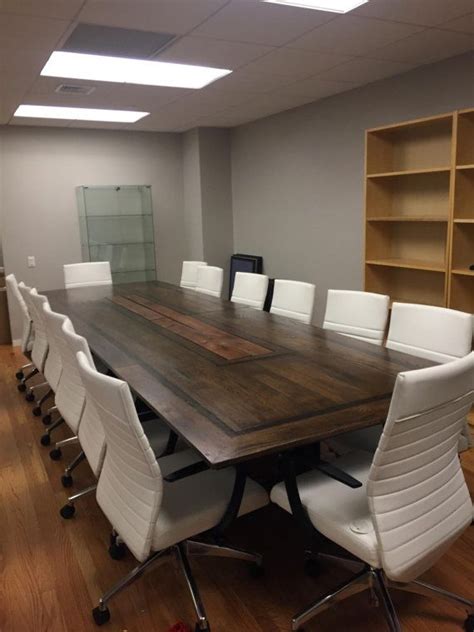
x: 53, y: 571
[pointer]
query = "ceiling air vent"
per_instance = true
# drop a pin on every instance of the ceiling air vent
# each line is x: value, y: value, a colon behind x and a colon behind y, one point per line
x: 68, y: 88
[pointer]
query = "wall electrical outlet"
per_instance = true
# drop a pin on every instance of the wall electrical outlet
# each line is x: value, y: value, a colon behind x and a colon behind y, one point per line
x: 31, y: 262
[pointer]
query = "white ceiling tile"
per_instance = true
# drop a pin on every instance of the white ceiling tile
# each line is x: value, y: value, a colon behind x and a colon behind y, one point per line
x: 31, y: 32
x: 365, y: 70
x: 290, y: 62
x: 39, y: 122
x: 165, y: 121
x: 465, y: 24
x: 316, y: 88
x: 59, y: 9
x: 428, y: 46
x: 249, y: 80
x: 168, y: 16
x: 424, y: 12
x: 211, y: 52
x: 261, y: 22
x: 352, y: 35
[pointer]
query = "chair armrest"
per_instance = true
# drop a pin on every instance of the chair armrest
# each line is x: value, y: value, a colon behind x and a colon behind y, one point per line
x: 339, y: 475
x: 184, y: 472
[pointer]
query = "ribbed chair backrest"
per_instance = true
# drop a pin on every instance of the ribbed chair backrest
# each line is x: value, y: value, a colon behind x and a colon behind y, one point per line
x: 250, y: 289
x: 39, y: 351
x: 26, y: 320
x: 416, y: 490
x: 189, y: 273
x: 70, y: 394
x: 89, y: 274
x: 130, y: 487
x: 210, y: 280
x: 53, y: 365
x: 434, y: 333
x: 293, y: 299
x: 361, y: 315
x: 90, y: 432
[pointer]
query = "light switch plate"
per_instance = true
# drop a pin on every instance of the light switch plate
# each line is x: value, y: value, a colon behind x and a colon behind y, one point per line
x: 31, y: 262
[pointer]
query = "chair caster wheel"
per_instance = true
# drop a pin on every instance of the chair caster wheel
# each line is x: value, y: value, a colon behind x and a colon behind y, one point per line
x: 199, y: 629
x: 101, y: 616
x: 469, y: 623
x: 37, y: 411
x: 21, y: 387
x: 312, y: 568
x: 256, y: 571
x: 47, y: 419
x: 55, y: 454
x: 30, y: 397
x: 19, y: 375
x: 66, y: 480
x: 117, y: 551
x: 67, y: 512
x: 45, y: 439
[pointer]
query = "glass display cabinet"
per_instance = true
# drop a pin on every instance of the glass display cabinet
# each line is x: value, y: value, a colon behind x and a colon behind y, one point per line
x: 116, y: 225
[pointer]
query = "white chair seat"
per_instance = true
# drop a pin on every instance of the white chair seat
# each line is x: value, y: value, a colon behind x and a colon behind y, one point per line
x: 197, y: 503
x: 339, y: 512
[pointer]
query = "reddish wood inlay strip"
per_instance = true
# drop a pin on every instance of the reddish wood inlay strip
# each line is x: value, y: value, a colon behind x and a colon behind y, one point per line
x: 208, y: 337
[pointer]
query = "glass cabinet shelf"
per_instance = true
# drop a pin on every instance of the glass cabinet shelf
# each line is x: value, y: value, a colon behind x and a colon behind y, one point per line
x: 116, y: 225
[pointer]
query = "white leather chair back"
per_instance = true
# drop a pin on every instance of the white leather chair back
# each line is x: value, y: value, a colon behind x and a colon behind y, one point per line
x: 210, y: 280
x: 88, y: 274
x: 416, y: 490
x: 293, y: 299
x: 70, y: 394
x: 39, y: 350
x: 189, y: 273
x: 27, y: 330
x: 130, y: 487
x: 90, y: 432
x: 434, y: 333
x: 53, y: 365
x: 361, y: 315
x: 250, y: 289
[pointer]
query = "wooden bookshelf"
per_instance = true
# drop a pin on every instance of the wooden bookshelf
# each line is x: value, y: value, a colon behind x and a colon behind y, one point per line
x: 419, y: 207
x: 461, y: 281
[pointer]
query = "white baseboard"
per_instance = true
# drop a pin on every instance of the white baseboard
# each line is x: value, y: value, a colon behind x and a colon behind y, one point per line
x: 16, y: 342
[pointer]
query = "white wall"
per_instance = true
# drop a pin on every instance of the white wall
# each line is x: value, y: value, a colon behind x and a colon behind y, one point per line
x: 297, y: 177
x: 41, y: 168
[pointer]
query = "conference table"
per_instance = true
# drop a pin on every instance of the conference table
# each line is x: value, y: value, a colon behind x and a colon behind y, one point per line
x: 234, y: 382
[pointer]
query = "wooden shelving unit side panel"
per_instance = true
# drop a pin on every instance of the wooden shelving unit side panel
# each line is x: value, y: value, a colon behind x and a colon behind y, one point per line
x: 465, y: 141
x: 424, y: 144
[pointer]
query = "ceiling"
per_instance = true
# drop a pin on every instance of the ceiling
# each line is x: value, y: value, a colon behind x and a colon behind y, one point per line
x: 282, y: 57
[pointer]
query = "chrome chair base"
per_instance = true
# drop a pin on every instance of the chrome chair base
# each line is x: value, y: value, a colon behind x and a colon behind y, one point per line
x: 375, y: 581
x: 182, y: 552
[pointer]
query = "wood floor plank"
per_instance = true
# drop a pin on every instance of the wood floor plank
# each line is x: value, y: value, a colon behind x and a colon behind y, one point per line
x: 53, y: 571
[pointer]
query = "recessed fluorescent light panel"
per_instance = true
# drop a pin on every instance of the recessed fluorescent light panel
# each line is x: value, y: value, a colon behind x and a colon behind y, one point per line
x: 135, y: 71
x: 79, y: 114
x: 336, y: 6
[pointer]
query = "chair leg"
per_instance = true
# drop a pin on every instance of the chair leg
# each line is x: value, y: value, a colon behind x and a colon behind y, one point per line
x: 202, y: 623
x: 101, y: 612
x: 427, y: 590
x: 390, y: 612
x: 195, y: 548
x: 35, y: 387
x: 353, y: 565
x: 69, y: 441
x: 356, y: 585
x: 74, y: 463
x: 21, y: 386
x: 44, y: 397
x: 20, y: 372
x: 69, y: 509
x: 46, y: 438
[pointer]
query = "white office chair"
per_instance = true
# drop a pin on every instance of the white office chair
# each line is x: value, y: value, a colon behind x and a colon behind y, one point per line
x: 293, y: 299
x: 361, y: 315
x: 413, y: 502
x: 250, y: 289
x: 93, y: 273
x: 39, y: 350
x: 27, y: 324
x: 210, y: 280
x: 433, y: 333
x: 91, y: 434
x: 189, y: 274
x: 152, y: 516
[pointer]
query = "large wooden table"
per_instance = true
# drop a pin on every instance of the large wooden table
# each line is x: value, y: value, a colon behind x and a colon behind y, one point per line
x: 234, y: 382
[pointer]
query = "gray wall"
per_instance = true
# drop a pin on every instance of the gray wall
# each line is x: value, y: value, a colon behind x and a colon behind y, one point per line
x: 297, y: 177
x: 41, y: 168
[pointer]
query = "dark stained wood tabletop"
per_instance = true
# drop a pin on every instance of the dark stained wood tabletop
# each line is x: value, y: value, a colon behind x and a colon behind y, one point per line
x: 234, y: 382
